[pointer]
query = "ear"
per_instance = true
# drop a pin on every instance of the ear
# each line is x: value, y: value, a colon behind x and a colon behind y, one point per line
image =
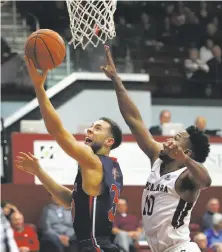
x: 109, y: 142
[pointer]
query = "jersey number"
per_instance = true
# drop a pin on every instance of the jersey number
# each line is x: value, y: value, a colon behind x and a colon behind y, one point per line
x: 149, y: 203
x: 112, y: 211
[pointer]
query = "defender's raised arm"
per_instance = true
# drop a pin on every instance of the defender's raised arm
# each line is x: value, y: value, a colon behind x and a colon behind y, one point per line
x: 130, y: 112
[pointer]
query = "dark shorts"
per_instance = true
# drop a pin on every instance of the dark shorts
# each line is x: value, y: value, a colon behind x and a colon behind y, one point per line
x: 99, y: 244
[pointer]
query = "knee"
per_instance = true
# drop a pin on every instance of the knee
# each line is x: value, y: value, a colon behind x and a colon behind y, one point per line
x: 122, y: 237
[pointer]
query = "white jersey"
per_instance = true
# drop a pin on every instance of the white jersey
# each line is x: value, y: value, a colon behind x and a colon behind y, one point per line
x: 166, y: 216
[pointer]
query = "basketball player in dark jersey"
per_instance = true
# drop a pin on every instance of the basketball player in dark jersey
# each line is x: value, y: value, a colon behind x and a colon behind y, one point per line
x: 99, y: 179
x: 177, y: 163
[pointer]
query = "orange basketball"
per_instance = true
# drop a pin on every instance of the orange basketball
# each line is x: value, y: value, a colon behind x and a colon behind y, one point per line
x: 45, y: 48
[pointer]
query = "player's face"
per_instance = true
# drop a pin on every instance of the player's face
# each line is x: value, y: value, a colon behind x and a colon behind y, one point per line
x: 182, y: 139
x: 98, y: 136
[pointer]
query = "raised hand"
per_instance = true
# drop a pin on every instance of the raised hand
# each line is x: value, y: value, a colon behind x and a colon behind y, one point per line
x: 174, y: 151
x: 37, y: 77
x: 27, y: 163
x: 109, y: 69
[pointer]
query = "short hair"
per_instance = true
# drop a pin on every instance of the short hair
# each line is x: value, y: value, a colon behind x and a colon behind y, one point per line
x: 199, y: 236
x: 200, y: 144
x: 115, y: 131
x: 164, y: 111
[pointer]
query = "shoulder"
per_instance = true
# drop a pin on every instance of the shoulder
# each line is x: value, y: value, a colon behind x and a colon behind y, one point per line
x: 206, y: 215
x: 47, y: 208
x: 105, y: 157
x: 186, y: 182
x: 30, y: 228
x: 118, y: 219
x: 155, y: 130
x: 186, y: 188
x: 208, y: 232
x: 154, y: 127
x: 118, y: 216
x: 108, y: 161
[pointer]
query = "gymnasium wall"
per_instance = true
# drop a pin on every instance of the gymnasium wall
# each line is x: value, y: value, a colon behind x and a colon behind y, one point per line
x: 10, y: 107
x: 90, y: 108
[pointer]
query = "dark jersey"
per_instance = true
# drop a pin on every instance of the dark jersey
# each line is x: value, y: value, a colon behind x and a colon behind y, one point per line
x: 94, y: 215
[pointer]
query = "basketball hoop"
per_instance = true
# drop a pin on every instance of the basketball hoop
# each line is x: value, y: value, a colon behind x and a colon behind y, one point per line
x: 91, y: 21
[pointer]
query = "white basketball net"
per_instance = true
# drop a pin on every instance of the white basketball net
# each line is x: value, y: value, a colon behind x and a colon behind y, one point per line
x: 91, y: 21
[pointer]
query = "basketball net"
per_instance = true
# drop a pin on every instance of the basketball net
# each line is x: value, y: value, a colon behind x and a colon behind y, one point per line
x: 91, y: 21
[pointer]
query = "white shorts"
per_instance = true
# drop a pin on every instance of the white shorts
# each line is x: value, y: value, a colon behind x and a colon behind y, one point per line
x: 186, y: 247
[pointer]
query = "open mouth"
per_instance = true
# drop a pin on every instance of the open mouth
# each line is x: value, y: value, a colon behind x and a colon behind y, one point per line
x: 88, y: 140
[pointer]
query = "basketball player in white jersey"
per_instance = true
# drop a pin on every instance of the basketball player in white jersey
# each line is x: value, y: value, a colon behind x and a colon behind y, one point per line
x: 176, y: 176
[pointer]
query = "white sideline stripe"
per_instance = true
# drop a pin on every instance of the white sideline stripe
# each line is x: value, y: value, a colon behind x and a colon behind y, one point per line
x: 65, y: 83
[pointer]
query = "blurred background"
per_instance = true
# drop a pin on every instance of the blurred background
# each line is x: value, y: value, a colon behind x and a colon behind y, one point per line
x: 169, y: 57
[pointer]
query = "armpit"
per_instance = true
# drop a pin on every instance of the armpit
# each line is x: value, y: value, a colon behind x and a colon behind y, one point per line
x: 187, y: 183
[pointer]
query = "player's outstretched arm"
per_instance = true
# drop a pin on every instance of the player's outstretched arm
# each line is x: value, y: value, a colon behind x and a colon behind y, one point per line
x: 80, y: 152
x: 130, y: 112
x: 29, y: 163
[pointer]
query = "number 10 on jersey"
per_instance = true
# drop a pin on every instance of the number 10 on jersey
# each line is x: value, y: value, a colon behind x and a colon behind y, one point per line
x: 112, y: 211
x: 148, y: 206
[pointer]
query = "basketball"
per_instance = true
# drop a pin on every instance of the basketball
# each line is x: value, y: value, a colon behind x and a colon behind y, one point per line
x: 45, y: 48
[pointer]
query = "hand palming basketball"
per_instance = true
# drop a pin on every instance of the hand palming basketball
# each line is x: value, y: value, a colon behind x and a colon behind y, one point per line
x: 110, y: 69
x: 37, y: 77
x: 46, y: 48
